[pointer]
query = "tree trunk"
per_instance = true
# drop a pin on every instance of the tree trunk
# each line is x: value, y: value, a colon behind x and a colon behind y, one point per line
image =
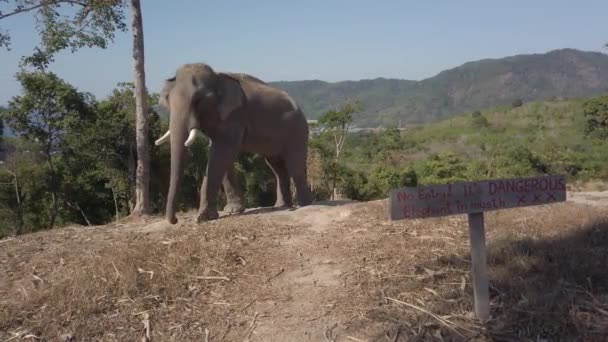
x: 19, y: 228
x: 142, y: 178
x: 115, y: 203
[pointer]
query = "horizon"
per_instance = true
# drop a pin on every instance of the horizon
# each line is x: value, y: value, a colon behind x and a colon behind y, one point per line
x: 403, y: 41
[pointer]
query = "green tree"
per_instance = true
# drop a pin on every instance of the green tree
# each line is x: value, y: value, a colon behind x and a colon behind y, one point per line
x: 336, y: 124
x: 48, y: 109
x: 113, y: 134
x: 66, y: 24
x: 596, y: 115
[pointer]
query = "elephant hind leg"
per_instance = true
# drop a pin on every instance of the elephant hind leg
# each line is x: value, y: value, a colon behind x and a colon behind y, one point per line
x: 295, y: 162
x: 235, y: 203
x: 277, y: 165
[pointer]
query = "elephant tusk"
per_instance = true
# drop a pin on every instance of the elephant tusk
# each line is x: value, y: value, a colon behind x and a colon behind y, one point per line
x: 163, y: 139
x: 191, y: 137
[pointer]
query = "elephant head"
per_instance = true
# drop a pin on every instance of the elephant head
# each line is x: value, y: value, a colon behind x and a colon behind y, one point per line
x: 197, y: 98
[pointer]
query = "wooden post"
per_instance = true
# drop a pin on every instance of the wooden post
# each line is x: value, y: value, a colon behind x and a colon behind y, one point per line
x: 474, y: 198
x: 481, y: 291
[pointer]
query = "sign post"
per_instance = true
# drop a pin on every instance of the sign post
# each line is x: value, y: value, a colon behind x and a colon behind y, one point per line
x: 474, y: 198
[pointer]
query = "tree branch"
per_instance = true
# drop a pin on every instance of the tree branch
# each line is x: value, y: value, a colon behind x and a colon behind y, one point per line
x: 42, y: 3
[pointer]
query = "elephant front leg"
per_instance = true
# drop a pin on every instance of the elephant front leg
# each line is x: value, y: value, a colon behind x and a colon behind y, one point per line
x: 235, y: 203
x: 220, y: 158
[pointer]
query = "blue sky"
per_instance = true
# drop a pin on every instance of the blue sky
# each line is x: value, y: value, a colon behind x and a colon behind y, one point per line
x: 314, y: 39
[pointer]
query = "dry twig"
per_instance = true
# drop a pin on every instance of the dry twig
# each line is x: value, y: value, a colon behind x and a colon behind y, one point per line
x: 118, y: 275
x: 329, y: 332
x: 445, y: 322
x: 210, y: 278
x: 146, y: 323
x: 354, y: 339
x: 255, y: 316
x: 393, y: 339
x: 139, y: 270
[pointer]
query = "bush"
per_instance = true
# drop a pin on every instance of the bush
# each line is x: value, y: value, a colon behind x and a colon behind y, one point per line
x: 478, y: 120
x: 443, y: 168
x: 517, y: 103
x: 596, y: 115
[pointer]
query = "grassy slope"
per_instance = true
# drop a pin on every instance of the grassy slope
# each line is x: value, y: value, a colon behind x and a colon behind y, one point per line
x: 553, y: 131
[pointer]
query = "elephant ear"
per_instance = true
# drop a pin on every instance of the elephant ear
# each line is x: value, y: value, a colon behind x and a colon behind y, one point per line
x: 163, y: 98
x: 231, y: 95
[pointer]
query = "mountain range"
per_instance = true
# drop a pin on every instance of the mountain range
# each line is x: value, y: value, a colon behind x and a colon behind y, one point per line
x: 563, y: 73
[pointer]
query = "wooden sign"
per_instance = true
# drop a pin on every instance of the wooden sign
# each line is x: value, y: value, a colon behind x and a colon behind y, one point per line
x: 473, y: 198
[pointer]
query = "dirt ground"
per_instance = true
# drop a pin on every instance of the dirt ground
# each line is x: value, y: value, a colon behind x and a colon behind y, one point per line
x: 337, y: 271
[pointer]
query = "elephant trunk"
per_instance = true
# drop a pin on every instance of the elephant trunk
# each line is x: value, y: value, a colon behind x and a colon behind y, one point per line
x: 178, y: 137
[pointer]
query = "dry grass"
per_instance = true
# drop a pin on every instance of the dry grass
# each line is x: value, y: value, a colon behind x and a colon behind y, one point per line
x: 547, y: 275
x: 99, y: 285
x: 400, y: 281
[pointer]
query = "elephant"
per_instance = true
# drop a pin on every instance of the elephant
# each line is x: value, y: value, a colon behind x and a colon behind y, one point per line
x: 238, y: 113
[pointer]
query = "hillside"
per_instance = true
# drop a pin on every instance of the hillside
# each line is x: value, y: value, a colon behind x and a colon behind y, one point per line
x: 328, y: 272
x: 564, y: 73
x: 533, y: 139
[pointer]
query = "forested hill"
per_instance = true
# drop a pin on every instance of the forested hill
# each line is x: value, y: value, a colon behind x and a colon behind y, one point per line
x: 564, y: 73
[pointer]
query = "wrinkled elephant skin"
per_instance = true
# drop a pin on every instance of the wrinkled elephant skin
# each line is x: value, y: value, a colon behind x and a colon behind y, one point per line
x: 237, y: 112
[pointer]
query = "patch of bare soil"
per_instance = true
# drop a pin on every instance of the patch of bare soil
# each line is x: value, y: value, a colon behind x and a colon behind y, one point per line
x: 327, y: 272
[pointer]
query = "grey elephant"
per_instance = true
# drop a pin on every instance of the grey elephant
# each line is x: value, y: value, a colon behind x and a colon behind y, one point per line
x: 237, y: 112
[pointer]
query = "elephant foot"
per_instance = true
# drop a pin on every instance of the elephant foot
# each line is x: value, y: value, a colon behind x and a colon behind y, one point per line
x: 234, y: 208
x: 207, y: 215
x: 282, y: 205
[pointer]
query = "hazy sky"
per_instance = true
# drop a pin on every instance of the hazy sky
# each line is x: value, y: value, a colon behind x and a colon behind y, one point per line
x: 314, y: 39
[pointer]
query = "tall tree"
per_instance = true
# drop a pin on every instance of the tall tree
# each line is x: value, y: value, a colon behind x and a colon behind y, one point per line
x: 336, y: 124
x: 45, y: 113
x: 66, y: 24
x: 142, y: 184
x: 114, y: 135
x: 92, y: 24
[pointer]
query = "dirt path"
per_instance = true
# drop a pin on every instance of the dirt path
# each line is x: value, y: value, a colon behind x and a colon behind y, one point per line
x: 313, y: 287
x: 306, y: 299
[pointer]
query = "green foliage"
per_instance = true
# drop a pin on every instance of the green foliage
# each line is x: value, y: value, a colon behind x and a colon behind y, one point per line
x: 334, y: 125
x: 48, y: 113
x: 256, y: 179
x: 113, y: 133
x: 534, y: 139
x: 66, y: 24
x: 339, y: 120
x: 443, y: 168
x: 517, y: 103
x: 82, y: 165
x: 383, y: 179
x: 478, y: 120
x: 596, y: 114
